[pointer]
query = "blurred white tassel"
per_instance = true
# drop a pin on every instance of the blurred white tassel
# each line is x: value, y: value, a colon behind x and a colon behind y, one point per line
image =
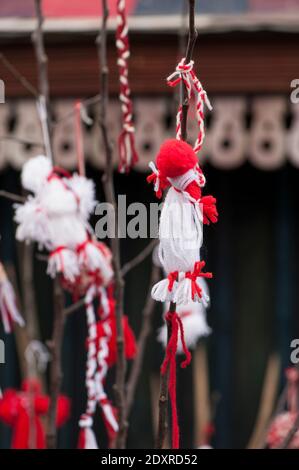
x: 92, y: 257
x: 8, y: 306
x: 62, y: 260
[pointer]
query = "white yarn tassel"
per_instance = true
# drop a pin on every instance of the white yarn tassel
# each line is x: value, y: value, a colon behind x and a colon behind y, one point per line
x: 8, y: 307
x: 92, y: 257
x: 183, y: 293
x: 63, y: 261
x: 90, y: 439
x: 161, y: 293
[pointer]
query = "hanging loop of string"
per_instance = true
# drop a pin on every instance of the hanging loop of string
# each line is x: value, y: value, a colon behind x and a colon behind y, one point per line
x: 184, y: 72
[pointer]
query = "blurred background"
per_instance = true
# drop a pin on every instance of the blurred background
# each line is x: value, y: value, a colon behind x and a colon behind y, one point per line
x: 247, y: 55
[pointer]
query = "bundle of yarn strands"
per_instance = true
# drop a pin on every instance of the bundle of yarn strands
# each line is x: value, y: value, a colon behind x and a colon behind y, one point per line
x: 9, y: 311
x: 192, y: 314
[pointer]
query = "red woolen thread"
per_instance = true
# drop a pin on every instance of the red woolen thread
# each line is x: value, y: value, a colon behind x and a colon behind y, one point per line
x: 176, y: 326
x: 126, y: 143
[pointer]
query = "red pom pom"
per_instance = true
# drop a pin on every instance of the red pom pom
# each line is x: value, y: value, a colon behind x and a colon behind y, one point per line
x: 175, y: 158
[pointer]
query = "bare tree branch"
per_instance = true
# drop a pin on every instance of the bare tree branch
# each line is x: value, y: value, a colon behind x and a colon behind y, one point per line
x: 163, y: 398
x: 87, y: 102
x: 189, y: 53
x: 58, y: 324
x: 12, y: 196
x: 72, y: 308
x: 141, y: 343
x: 55, y: 370
x: 42, y: 62
x: 18, y: 76
x: 115, y: 245
x: 22, y: 141
x: 139, y: 258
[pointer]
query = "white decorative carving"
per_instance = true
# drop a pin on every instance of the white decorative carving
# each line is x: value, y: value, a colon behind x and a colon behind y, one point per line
x: 267, y: 137
x: 64, y: 139
x: 228, y: 143
x: 96, y: 152
x: 227, y: 136
x: 28, y: 129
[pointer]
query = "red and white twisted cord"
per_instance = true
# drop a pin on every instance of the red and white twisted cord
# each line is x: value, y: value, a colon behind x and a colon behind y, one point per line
x: 109, y: 416
x: 86, y: 420
x: 126, y: 143
x: 96, y: 369
x: 184, y: 72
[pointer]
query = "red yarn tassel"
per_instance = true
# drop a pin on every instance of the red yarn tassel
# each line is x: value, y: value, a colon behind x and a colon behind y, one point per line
x: 176, y: 326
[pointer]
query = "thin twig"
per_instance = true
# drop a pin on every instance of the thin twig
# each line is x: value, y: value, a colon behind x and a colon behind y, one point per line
x: 72, y: 308
x: 163, y: 397
x: 139, y: 258
x: 21, y: 141
x: 189, y: 53
x: 87, y: 102
x: 55, y: 369
x: 115, y: 245
x: 12, y: 196
x: 141, y: 343
x: 18, y: 76
x: 58, y: 323
x: 42, y: 62
x: 267, y: 401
